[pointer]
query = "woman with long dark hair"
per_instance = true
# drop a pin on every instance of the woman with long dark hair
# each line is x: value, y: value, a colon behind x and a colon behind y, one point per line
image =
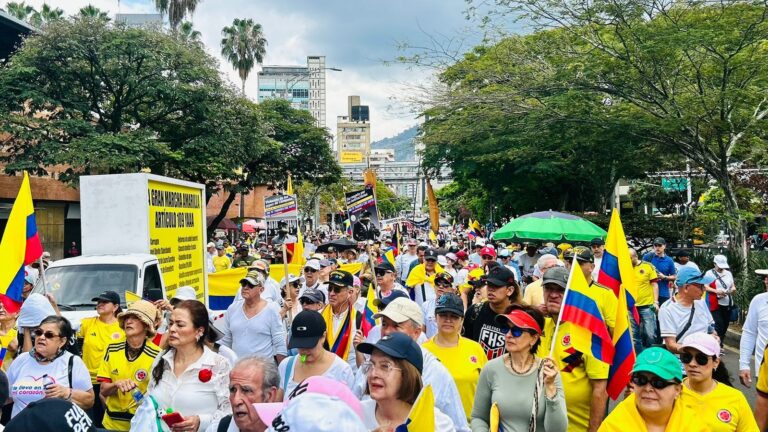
x: 188, y: 377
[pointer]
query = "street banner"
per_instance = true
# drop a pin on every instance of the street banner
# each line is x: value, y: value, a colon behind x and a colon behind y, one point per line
x: 281, y: 208
x: 360, y: 201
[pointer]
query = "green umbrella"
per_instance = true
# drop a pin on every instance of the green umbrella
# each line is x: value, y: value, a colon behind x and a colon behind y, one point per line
x: 549, y: 225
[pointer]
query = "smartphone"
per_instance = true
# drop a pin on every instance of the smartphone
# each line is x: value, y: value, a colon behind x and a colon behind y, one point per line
x: 172, y: 418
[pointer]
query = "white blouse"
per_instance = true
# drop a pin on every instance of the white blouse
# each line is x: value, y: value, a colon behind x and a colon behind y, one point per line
x: 188, y: 395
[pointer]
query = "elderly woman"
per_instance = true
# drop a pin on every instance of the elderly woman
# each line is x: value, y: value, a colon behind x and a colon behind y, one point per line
x: 188, y: 377
x: 654, y: 404
x: 123, y: 370
x: 49, y: 371
x: 393, y: 375
x: 707, y: 387
x: 308, y: 334
x: 527, y: 391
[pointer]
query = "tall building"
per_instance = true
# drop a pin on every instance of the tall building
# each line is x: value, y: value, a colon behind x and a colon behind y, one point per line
x: 353, y: 133
x: 303, y: 86
x: 140, y: 20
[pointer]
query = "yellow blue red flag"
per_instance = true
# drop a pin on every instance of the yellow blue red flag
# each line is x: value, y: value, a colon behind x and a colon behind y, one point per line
x: 422, y: 415
x: 368, y: 321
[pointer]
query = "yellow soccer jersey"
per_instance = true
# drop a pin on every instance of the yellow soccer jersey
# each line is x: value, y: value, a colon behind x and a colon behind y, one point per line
x: 96, y: 337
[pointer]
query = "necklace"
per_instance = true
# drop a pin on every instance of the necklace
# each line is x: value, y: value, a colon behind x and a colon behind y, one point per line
x: 522, y: 372
x: 133, y: 353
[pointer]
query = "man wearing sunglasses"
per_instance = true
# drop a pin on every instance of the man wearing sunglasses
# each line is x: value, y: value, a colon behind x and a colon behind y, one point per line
x: 312, y: 278
x: 341, y: 319
x: 686, y: 313
x: 443, y: 285
x: 404, y: 260
x: 385, y: 280
x: 585, y: 378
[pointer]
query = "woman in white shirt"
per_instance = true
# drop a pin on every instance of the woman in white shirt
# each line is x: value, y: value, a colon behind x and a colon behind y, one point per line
x: 189, y: 378
x: 308, y: 332
x: 394, y: 382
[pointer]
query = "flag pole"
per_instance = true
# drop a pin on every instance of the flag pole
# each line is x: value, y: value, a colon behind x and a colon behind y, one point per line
x: 562, y: 305
x: 42, y: 275
x: 287, y: 288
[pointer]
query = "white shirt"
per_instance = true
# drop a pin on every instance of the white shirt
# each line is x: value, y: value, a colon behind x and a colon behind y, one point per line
x: 443, y: 423
x: 209, y: 262
x: 403, y: 264
x: 596, y: 270
x: 690, y: 264
x: 26, y: 378
x: 673, y: 317
x: 430, y: 322
x: 262, y: 334
x: 339, y: 371
x: 724, y: 284
x: 754, y: 333
x: 190, y: 396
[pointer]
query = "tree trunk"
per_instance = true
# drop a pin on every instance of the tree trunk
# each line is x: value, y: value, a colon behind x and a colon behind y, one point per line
x: 243, y: 87
x: 736, y: 225
x: 223, y: 212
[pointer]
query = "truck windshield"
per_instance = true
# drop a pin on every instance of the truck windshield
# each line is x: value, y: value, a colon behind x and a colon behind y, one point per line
x: 75, y: 286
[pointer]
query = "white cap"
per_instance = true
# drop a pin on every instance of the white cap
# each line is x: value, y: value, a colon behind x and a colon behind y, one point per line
x: 762, y: 272
x: 313, y: 264
x: 480, y: 242
x: 185, y: 293
x: 34, y: 310
x: 401, y: 310
x: 210, y: 245
x: 291, y: 278
x: 442, y: 261
x: 315, y: 412
x: 721, y: 261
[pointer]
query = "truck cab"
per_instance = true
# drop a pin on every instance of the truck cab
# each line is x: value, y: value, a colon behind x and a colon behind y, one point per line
x: 75, y: 281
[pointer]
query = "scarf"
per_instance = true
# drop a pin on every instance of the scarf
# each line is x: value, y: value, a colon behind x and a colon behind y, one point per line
x: 625, y: 417
x: 339, y: 342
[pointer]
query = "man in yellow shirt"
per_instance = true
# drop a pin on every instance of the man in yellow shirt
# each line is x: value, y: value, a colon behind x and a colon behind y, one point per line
x: 534, y: 293
x: 94, y: 335
x: 585, y: 378
x: 761, y: 404
x: 646, y: 333
x: 221, y: 261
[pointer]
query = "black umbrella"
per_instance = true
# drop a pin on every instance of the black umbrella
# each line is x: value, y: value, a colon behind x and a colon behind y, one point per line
x: 339, y: 244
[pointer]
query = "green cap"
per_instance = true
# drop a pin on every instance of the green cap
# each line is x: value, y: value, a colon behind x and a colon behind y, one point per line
x: 660, y: 362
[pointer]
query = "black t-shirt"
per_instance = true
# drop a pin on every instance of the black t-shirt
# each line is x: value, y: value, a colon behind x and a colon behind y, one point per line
x: 480, y: 326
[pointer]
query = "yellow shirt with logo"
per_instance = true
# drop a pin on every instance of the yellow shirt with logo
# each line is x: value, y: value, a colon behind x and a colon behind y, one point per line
x: 120, y: 407
x: 464, y: 363
x: 5, y: 341
x: 625, y: 418
x: 645, y: 273
x: 576, y: 370
x: 96, y: 336
x: 723, y: 409
x: 221, y: 263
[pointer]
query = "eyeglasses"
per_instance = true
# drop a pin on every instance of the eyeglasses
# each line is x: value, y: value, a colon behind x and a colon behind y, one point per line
x: 701, y: 358
x: 385, y: 368
x: 337, y: 289
x: 654, y: 381
x: 47, y: 334
x: 515, y: 331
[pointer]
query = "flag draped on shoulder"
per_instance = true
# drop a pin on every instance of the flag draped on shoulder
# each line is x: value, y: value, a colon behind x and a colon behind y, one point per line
x: 20, y: 245
x: 368, y: 321
x: 422, y: 415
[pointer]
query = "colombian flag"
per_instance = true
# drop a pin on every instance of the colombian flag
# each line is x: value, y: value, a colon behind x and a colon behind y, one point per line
x: 588, y: 330
x: 368, y: 322
x: 616, y: 267
x: 298, y: 250
x: 348, y: 227
x: 422, y: 415
x: 389, y: 256
x: 396, y: 241
x: 19, y: 247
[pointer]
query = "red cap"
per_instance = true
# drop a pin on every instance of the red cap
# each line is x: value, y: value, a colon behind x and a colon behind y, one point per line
x: 462, y: 255
x: 519, y: 318
x: 488, y: 251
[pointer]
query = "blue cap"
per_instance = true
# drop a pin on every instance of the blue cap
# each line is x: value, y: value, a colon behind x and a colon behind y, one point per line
x: 383, y: 302
x: 688, y: 275
x: 396, y: 345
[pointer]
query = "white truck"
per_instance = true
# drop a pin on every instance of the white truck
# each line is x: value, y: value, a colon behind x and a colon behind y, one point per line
x: 141, y: 233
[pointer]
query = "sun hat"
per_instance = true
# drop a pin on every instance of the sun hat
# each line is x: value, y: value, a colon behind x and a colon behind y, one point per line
x: 143, y: 310
x: 659, y: 362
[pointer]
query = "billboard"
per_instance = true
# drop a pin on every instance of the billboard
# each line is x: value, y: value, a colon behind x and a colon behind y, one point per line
x: 350, y: 157
x: 281, y: 208
x: 358, y: 202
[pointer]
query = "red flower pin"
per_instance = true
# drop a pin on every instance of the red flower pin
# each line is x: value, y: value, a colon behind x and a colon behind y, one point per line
x: 205, y: 375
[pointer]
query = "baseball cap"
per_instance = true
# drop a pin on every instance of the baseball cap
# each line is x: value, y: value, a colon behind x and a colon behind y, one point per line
x: 258, y: 265
x: 689, y: 275
x: 108, y: 296
x: 444, y: 276
x: 659, y: 362
x: 396, y: 345
x: 582, y: 254
x: 659, y: 241
x: 306, y: 329
x: 313, y: 264
x: 313, y: 296
x: 220, y: 246
x: 597, y: 241
x: 341, y: 278
x: 703, y: 342
x: 254, y: 279
x: 451, y: 256
x: 385, y: 266
x: 291, y: 279
x: 548, y: 250
x: 721, y: 261
x: 30, y: 279
x: 314, y: 412
x: 480, y: 242
x: 210, y: 245
x: 442, y: 260
x: 505, y: 253
x: 449, y: 303
x: 683, y: 253
x: 325, y: 263
x: 557, y: 276
x: 51, y: 415
x: 430, y: 254
x: 402, y: 309
x: 314, y: 385
x: 500, y: 276
x: 185, y: 292
x: 462, y: 255
x: 518, y: 318
x: 487, y: 250
x: 383, y: 302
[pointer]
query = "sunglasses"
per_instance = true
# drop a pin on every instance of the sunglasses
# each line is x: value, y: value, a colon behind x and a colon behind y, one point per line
x: 305, y: 302
x: 701, y: 358
x: 47, y: 334
x: 295, y: 284
x: 656, y: 382
x: 310, y: 270
x: 381, y: 273
x: 442, y: 284
x: 516, y: 331
x: 337, y: 289
x: 487, y: 257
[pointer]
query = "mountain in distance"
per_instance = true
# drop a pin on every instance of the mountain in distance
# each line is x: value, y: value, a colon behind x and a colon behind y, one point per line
x: 403, y: 143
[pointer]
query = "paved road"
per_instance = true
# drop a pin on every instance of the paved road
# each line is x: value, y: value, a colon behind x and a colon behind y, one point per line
x: 731, y: 358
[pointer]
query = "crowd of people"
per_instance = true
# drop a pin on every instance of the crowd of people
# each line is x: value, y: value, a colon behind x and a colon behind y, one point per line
x: 472, y: 320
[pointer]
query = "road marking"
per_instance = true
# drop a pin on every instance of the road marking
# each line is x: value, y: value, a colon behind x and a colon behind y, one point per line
x: 731, y: 349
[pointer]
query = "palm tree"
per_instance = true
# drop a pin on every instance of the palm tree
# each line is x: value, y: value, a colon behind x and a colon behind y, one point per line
x: 176, y: 10
x: 46, y: 15
x: 20, y: 11
x: 187, y: 33
x: 92, y: 11
x: 243, y: 46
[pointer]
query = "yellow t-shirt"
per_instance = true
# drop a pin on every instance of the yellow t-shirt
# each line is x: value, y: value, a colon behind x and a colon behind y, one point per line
x: 221, y: 263
x: 625, y: 418
x: 606, y: 302
x: 120, y: 407
x: 5, y: 340
x: 724, y: 409
x: 762, y: 376
x: 645, y: 273
x: 464, y: 362
x: 534, y: 293
x: 576, y: 371
x: 96, y: 337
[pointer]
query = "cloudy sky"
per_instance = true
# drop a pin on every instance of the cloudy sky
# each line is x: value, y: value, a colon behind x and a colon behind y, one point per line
x: 357, y: 36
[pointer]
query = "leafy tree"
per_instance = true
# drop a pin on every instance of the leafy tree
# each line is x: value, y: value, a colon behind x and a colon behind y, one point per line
x: 187, y: 33
x: 46, y: 15
x: 20, y: 10
x: 92, y: 11
x: 243, y: 46
x: 176, y: 10
x: 388, y: 202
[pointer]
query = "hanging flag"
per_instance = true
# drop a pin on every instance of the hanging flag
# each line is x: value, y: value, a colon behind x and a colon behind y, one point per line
x: 368, y: 321
x: 434, y: 211
x: 348, y: 227
x: 422, y: 415
x: 616, y: 268
x: 298, y: 250
x: 624, y: 350
x: 396, y: 240
x: 432, y: 236
x: 19, y: 247
x: 289, y: 186
x: 589, y: 334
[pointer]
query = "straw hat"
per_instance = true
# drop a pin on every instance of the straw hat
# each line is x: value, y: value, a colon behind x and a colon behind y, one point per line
x: 144, y: 311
